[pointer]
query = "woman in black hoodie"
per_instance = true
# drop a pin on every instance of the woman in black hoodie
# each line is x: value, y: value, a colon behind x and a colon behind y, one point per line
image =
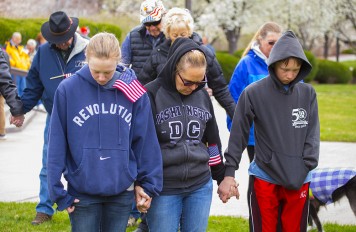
x: 189, y: 138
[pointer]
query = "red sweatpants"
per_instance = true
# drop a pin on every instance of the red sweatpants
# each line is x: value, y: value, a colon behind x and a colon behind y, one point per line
x: 275, y: 208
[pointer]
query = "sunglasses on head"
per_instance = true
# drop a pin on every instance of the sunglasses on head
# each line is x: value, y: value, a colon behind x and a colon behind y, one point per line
x: 152, y: 23
x: 271, y: 42
x: 190, y: 83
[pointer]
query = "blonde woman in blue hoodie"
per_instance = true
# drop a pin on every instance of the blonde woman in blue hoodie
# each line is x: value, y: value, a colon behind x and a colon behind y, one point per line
x: 103, y: 139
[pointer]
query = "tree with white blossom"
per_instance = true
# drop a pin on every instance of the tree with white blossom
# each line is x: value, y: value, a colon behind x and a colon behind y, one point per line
x: 226, y: 15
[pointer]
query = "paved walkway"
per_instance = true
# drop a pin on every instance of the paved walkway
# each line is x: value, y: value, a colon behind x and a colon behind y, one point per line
x: 20, y: 163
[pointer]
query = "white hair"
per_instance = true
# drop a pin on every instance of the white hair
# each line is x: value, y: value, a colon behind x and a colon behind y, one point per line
x: 16, y: 35
x: 32, y: 42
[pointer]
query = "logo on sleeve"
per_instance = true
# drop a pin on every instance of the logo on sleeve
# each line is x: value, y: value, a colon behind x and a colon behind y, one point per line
x: 299, y: 116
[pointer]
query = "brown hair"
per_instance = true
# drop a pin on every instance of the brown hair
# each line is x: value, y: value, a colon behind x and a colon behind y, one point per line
x: 193, y: 58
x: 262, y: 33
x: 103, y: 45
x: 286, y: 61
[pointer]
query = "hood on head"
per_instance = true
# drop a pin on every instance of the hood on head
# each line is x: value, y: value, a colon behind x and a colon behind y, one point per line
x: 289, y: 46
x: 176, y: 51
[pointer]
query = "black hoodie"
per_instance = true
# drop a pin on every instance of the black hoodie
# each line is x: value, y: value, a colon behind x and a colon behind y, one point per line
x: 185, y: 125
x: 7, y: 87
x: 286, y: 121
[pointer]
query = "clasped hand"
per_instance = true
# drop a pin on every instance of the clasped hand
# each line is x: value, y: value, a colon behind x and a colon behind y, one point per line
x: 228, y: 188
x: 143, y: 201
x: 17, y: 120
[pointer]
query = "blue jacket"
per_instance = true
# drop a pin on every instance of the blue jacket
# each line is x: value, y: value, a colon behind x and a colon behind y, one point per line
x: 251, y: 68
x: 48, y: 63
x: 101, y: 141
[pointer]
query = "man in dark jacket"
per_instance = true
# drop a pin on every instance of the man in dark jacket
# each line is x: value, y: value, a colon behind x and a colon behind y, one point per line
x: 140, y: 41
x: 62, y: 56
x: 9, y: 92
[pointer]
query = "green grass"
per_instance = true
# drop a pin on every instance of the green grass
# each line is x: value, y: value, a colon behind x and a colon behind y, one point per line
x: 337, y: 110
x: 17, y: 217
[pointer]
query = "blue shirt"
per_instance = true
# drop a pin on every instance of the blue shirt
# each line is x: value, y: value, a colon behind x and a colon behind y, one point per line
x: 254, y: 170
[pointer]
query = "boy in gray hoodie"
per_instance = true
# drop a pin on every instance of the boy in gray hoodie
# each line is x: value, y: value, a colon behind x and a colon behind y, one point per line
x: 284, y: 111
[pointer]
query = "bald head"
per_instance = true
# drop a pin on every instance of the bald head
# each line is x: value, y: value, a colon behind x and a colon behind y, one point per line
x: 16, y: 38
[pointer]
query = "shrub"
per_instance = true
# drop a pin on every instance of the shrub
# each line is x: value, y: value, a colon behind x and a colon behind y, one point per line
x: 314, y: 62
x: 349, y: 51
x: 238, y: 53
x: 333, y: 72
x: 101, y: 27
x: 29, y: 28
x: 351, y: 65
x: 228, y: 63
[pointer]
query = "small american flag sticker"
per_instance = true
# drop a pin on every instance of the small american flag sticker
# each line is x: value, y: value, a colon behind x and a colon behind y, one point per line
x: 132, y: 88
x: 214, y: 154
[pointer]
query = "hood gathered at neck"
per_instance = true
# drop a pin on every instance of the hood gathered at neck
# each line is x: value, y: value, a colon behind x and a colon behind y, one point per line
x: 256, y: 48
x: 288, y: 46
x: 176, y: 51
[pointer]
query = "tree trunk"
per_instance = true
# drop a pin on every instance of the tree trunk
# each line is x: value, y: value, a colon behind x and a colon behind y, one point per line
x: 232, y: 37
x: 337, y: 48
x: 188, y: 5
x: 326, y: 45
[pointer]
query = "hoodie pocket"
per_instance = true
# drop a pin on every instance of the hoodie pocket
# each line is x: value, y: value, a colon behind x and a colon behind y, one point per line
x: 288, y: 170
x: 102, y: 172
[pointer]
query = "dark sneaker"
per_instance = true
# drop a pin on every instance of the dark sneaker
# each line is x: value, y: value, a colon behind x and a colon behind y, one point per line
x: 142, y: 227
x: 41, y: 218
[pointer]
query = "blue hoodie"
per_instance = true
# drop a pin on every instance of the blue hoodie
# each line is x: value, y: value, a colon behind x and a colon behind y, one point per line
x: 251, y: 68
x: 100, y: 140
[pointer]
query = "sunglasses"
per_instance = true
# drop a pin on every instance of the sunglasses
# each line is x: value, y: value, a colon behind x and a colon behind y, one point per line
x: 152, y: 23
x: 190, y: 83
x: 271, y: 42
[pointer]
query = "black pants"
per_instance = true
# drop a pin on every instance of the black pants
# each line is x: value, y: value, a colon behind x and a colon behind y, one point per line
x: 251, y: 155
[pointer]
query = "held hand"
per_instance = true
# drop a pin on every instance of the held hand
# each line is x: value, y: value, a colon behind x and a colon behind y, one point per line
x: 234, y: 192
x: 17, y: 120
x: 143, y: 201
x: 71, y: 208
x: 227, y: 189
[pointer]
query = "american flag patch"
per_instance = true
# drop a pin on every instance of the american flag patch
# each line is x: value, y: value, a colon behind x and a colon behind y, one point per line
x: 66, y: 75
x: 132, y: 88
x: 214, y: 154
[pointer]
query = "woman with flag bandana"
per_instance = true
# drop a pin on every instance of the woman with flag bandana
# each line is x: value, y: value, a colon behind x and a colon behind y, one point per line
x: 102, y: 134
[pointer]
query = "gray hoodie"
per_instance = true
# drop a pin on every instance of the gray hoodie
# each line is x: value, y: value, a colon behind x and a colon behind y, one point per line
x: 286, y: 121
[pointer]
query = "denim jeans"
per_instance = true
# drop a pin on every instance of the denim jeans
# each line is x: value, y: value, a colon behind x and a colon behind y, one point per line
x: 20, y: 84
x: 187, y: 211
x: 45, y: 204
x: 134, y: 211
x: 106, y: 214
